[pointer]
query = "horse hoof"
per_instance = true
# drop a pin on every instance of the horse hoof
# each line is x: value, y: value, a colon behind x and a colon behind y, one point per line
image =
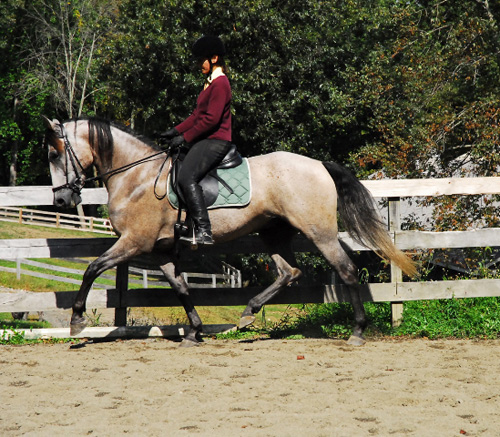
x: 356, y: 341
x: 76, y: 328
x: 189, y: 343
x: 246, y: 321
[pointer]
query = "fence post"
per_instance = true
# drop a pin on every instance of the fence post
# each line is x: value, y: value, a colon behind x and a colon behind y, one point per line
x: 396, y: 273
x: 121, y: 288
x: 18, y: 268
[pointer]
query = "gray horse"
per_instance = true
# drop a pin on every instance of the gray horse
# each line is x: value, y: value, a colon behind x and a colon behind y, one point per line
x: 290, y: 193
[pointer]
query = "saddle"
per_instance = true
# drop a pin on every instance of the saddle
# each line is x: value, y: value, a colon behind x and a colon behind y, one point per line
x: 210, y: 183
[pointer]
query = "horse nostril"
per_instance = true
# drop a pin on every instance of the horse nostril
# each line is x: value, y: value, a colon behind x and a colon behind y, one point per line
x: 59, y: 202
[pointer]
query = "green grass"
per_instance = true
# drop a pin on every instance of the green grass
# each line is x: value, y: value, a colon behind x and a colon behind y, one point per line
x: 7, y: 322
x: 16, y: 231
x: 270, y: 316
x: 39, y: 284
x: 451, y: 318
x: 459, y: 318
x: 10, y: 230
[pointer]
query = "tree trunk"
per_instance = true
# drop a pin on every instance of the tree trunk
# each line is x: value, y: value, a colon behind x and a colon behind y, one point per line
x: 14, y: 152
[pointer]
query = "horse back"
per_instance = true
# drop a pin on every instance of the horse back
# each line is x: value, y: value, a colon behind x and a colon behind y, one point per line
x: 289, y: 186
x: 285, y: 173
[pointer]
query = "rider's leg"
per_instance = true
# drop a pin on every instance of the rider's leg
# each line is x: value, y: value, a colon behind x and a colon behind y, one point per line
x: 195, y: 202
x: 201, y: 158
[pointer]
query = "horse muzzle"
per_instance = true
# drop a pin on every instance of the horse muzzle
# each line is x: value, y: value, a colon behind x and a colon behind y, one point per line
x: 66, y: 197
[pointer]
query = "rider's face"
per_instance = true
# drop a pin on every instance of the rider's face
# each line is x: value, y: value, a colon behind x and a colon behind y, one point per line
x: 205, y: 64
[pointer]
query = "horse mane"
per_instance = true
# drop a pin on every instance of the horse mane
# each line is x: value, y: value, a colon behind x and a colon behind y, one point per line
x: 101, y: 138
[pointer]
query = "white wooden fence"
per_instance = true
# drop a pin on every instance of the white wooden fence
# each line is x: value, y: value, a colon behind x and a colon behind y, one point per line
x: 55, y: 220
x: 396, y: 291
x: 230, y: 277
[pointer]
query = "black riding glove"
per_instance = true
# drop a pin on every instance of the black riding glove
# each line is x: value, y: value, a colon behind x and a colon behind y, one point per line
x: 177, y: 141
x: 168, y: 135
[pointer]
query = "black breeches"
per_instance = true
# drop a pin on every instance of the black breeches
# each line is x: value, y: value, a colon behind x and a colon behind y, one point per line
x: 202, y: 157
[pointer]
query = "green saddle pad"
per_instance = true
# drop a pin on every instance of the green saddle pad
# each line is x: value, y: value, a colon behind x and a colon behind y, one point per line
x: 238, y: 178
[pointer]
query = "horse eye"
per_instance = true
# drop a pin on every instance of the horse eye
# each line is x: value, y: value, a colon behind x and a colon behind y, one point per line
x: 53, y: 155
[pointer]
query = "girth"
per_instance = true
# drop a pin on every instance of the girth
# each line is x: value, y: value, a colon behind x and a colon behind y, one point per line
x: 210, y: 183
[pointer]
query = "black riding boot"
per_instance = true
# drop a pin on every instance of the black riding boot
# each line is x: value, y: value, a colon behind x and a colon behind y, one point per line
x: 195, y: 202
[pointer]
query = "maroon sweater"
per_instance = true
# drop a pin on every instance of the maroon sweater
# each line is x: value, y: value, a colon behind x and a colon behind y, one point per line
x: 212, y: 116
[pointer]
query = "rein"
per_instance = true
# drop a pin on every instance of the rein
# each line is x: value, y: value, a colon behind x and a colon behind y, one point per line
x: 77, y: 185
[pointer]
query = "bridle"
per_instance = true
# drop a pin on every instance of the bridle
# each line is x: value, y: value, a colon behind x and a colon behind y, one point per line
x: 78, y: 183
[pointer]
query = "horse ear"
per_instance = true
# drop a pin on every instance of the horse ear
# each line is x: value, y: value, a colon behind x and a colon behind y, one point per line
x: 52, y: 125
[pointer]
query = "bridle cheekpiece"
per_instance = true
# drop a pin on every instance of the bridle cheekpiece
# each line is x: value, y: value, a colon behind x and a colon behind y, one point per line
x: 77, y: 184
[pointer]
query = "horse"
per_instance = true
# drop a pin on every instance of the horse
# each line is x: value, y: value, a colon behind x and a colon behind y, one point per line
x: 290, y: 194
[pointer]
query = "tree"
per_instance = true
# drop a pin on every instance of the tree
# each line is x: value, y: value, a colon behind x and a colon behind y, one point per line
x: 287, y: 68
x: 9, y: 106
x: 64, y: 39
x: 434, y: 109
x: 50, y: 52
x: 430, y: 92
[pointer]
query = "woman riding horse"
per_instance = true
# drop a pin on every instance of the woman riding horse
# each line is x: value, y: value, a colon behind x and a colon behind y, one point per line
x: 207, y: 132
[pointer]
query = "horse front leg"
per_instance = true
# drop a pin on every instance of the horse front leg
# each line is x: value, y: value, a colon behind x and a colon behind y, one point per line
x: 181, y: 289
x: 120, y: 252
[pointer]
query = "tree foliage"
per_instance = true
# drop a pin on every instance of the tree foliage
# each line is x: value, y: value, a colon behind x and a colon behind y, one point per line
x: 61, y: 53
x: 431, y: 92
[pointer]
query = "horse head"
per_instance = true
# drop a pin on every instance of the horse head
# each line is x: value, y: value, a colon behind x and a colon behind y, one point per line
x: 69, y: 154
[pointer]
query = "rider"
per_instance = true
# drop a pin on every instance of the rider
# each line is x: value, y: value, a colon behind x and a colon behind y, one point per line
x: 207, y: 133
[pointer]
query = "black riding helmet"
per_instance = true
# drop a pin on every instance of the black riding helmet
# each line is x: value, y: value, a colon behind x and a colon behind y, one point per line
x: 208, y: 46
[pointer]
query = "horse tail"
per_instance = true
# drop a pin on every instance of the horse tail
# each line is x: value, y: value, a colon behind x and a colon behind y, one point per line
x: 362, y: 220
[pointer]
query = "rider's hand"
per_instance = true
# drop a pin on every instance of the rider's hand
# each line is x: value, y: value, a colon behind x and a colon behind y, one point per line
x: 177, y: 141
x: 168, y: 135
x: 163, y: 138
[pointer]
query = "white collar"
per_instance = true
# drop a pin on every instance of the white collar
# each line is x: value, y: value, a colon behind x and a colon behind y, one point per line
x: 215, y: 74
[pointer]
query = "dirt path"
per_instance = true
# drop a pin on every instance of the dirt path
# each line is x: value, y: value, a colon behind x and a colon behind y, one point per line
x: 261, y: 388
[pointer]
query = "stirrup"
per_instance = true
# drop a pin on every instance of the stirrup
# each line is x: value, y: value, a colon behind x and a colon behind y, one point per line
x: 197, y: 237
x: 204, y: 238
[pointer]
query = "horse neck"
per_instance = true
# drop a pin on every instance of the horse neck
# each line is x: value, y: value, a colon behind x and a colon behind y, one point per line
x: 127, y: 149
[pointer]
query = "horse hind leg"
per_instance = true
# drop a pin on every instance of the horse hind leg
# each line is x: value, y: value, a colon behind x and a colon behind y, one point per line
x: 347, y: 270
x: 286, y: 268
x: 287, y: 275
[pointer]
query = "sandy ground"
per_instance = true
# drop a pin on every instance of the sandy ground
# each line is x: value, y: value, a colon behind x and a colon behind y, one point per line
x: 260, y: 388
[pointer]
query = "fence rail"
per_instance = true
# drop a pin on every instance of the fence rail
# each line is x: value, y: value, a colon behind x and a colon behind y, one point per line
x: 396, y: 291
x: 150, y: 277
x: 55, y: 220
